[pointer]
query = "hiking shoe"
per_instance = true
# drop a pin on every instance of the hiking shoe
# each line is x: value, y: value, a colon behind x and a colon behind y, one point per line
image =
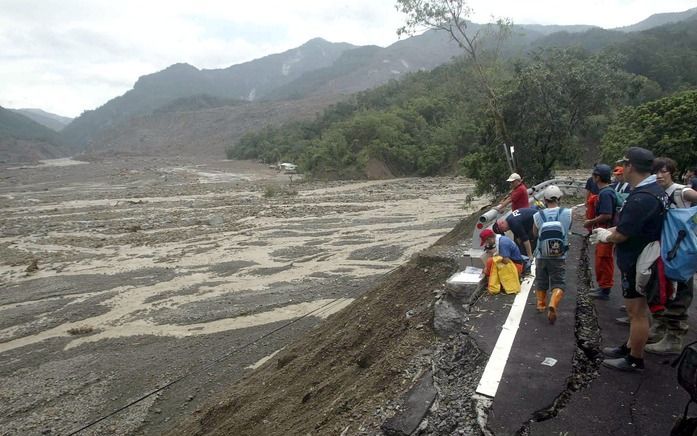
x: 600, y: 294
x: 670, y: 344
x: 623, y: 320
x: 616, y: 352
x: 625, y: 364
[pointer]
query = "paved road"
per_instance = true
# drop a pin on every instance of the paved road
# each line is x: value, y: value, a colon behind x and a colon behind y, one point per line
x: 612, y: 403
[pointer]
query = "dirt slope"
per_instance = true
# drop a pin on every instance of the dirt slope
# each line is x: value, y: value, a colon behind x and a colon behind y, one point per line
x: 342, y: 378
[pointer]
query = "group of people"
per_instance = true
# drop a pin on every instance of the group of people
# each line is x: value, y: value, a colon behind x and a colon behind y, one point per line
x: 625, y: 208
x: 538, y: 232
x: 625, y: 216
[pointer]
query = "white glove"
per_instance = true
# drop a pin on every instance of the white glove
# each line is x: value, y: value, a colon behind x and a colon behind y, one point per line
x: 599, y: 235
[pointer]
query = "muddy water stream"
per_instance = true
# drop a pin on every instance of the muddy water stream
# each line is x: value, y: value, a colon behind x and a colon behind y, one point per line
x: 116, y: 275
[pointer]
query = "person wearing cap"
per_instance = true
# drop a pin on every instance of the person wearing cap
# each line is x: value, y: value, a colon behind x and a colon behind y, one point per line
x: 503, y: 251
x: 519, y: 222
x: 550, y: 271
x: 518, y: 197
x: 603, y: 216
x: 669, y: 328
x: 640, y: 223
x: 618, y: 184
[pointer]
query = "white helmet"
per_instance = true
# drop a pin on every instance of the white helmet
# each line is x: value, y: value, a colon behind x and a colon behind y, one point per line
x: 552, y: 192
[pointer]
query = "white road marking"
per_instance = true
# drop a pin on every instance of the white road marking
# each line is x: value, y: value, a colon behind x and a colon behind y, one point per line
x: 489, y: 383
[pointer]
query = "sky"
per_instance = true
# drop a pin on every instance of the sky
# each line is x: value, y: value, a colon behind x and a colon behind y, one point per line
x: 68, y: 56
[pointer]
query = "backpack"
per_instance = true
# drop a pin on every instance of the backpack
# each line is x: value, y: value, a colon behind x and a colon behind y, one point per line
x: 679, y: 243
x: 552, y: 236
x: 678, y: 240
x: 620, y: 198
x: 687, y: 378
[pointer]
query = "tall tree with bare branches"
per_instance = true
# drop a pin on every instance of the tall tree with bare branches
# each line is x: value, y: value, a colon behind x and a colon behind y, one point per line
x: 452, y: 16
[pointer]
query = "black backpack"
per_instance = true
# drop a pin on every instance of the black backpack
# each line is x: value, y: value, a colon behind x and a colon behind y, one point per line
x: 687, y: 378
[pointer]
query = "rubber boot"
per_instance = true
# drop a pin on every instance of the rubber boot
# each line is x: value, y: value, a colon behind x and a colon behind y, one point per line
x: 670, y: 344
x: 656, y: 332
x: 557, y: 295
x: 541, y: 300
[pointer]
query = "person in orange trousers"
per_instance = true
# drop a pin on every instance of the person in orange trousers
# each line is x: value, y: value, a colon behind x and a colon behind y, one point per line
x: 604, y: 213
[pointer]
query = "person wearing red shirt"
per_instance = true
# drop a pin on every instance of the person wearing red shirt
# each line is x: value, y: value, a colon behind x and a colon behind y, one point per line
x: 518, y: 198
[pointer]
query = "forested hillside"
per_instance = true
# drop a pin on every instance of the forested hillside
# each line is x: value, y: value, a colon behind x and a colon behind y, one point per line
x: 558, y: 101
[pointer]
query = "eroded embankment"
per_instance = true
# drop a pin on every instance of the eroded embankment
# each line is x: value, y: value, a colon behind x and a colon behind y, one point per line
x: 355, y: 373
x: 343, y: 378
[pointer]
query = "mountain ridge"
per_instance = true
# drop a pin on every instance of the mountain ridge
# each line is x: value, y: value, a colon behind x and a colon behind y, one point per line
x: 47, y: 119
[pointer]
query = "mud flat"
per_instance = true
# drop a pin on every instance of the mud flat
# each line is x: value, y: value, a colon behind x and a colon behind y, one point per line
x: 121, y: 275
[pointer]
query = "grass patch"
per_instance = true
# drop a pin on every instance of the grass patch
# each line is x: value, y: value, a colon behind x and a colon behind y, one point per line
x: 81, y: 330
x: 271, y: 191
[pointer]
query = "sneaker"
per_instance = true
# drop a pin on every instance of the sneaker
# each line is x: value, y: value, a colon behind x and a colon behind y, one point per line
x: 616, y: 352
x: 624, y: 364
x: 600, y: 294
x: 623, y: 308
x: 623, y: 320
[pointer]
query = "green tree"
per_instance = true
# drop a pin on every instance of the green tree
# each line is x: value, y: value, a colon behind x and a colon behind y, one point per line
x: 482, y: 46
x: 553, y: 96
x: 666, y: 126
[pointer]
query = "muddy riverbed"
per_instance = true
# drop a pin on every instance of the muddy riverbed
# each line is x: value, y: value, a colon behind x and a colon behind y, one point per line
x: 121, y: 276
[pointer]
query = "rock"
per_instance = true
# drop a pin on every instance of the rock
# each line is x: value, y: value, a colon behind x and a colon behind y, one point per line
x: 33, y: 266
x: 215, y: 220
x: 447, y: 316
x: 416, y: 405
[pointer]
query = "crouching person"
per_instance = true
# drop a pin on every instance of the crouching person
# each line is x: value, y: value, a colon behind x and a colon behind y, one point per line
x: 551, y: 227
x: 504, y: 265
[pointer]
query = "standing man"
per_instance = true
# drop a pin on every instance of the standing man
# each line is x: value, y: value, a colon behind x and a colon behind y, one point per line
x: 551, y: 227
x: 518, y: 197
x: 604, y: 214
x: 670, y: 324
x: 640, y: 223
x: 520, y: 223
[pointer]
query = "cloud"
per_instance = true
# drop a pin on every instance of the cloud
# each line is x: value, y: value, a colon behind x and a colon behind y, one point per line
x: 67, y: 56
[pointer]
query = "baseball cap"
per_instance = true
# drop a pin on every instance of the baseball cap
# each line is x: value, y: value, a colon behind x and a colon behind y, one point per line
x: 486, y: 233
x: 638, y: 157
x: 618, y: 171
x: 514, y: 176
x: 553, y: 192
x: 603, y: 171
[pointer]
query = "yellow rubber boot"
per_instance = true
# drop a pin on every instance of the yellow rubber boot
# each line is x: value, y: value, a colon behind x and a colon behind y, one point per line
x: 541, y: 300
x: 557, y: 295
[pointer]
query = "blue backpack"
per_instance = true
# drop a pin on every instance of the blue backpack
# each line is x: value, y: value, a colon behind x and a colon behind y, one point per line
x: 552, y: 236
x: 679, y: 243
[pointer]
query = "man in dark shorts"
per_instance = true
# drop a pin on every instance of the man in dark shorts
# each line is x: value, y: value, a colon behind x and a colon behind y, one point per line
x: 550, y: 269
x: 640, y: 223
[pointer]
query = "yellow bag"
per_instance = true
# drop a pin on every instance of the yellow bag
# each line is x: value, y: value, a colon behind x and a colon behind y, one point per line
x: 503, y: 275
